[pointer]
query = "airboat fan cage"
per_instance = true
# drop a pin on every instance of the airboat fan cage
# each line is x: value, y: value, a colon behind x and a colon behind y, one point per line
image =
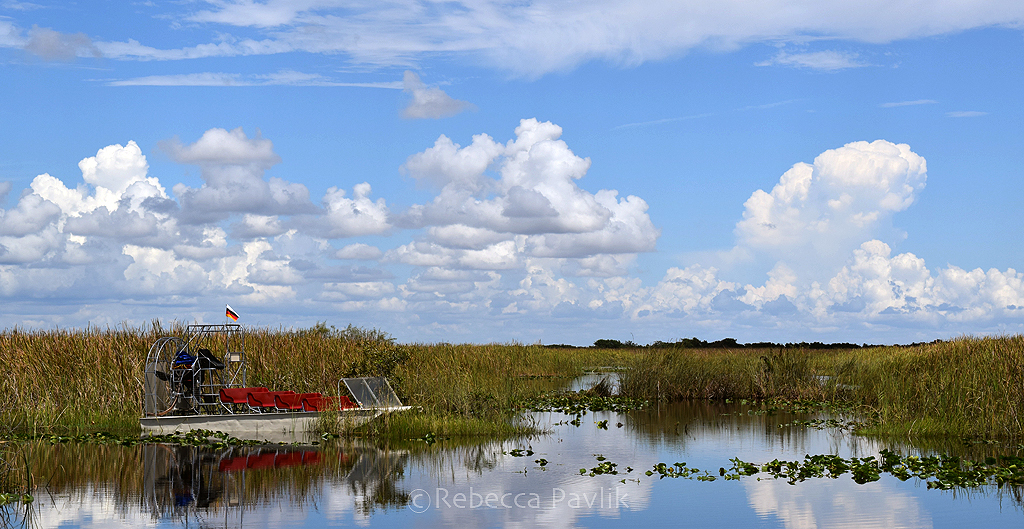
x: 184, y: 375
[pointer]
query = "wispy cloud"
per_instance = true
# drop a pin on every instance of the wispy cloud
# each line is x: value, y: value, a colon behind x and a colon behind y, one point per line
x: 818, y: 60
x: 52, y: 45
x: 20, y: 6
x: 539, y: 37
x: 765, y: 106
x: 281, y: 78
x: 909, y: 103
x: 966, y: 114
x: 661, y: 121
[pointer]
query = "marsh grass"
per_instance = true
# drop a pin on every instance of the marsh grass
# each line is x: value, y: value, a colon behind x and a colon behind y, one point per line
x: 476, y: 390
x: 86, y: 378
x: 968, y: 387
x: 718, y: 374
x: 92, y: 379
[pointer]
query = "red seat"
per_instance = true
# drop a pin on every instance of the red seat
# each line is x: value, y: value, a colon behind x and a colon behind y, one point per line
x: 291, y: 402
x: 238, y: 395
x: 321, y: 403
x: 258, y: 401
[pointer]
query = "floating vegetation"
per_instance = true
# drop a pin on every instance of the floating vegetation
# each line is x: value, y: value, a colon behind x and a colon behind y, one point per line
x: 429, y: 438
x: 680, y: 470
x: 939, y: 472
x: 825, y: 424
x: 580, y: 403
x: 603, y: 467
x: 7, y: 498
x: 204, y: 438
x: 519, y: 452
x: 771, y: 406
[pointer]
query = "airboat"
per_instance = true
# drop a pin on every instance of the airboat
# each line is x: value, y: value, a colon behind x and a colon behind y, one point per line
x: 197, y: 381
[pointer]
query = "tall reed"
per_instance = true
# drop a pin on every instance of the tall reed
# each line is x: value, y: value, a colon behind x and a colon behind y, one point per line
x: 677, y: 374
x: 88, y: 378
x: 963, y: 387
x: 93, y: 378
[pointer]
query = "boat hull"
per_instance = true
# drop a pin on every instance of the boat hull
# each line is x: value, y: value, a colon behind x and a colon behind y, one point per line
x: 259, y: 425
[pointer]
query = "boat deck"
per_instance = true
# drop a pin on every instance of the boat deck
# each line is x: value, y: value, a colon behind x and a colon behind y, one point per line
x: 255, y: 425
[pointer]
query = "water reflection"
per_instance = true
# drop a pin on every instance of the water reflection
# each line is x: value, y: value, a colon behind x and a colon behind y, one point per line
x: 180, y: 480
x: 836, y: 503
x: 524, y: 482
x: 85, y: 484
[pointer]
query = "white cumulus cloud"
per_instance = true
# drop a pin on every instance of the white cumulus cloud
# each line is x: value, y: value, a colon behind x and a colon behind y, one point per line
x: 532, y: 192
x: 820, y: 212
x: 511, y: 239
x: 232, y: 166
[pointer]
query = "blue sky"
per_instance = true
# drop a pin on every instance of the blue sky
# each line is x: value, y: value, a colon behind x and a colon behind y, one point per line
x: 496, y: 171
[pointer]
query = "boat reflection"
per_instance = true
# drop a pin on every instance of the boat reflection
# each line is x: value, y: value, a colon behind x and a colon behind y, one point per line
x: 181, y: 482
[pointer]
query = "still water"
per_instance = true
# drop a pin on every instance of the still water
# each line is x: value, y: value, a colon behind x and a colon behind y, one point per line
x: 491, y: 484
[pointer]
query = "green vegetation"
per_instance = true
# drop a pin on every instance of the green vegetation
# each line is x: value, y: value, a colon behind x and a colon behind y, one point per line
x: 87, y: 380
x: 965, y: 388
x: 939, y: 472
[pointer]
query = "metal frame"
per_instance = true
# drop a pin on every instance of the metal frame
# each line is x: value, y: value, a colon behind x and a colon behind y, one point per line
x: 194, y: 389
x: 363, y: 391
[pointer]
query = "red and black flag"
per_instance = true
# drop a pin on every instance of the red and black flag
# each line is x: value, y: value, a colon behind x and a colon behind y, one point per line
x: 231, y: 314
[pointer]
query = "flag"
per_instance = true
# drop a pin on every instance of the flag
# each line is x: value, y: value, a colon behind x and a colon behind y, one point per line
x: 231, y: 314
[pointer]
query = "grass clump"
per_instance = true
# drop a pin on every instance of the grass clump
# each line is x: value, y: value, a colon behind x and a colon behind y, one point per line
x: 719, y: 374
x: 967, y: 387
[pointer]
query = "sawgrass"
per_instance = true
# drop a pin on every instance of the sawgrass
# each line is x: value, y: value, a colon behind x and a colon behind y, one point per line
x: 967, y: 387
x: 92, y: 379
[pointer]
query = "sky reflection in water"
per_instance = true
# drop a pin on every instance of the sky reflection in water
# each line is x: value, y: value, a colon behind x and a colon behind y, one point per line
x: 484, y: 485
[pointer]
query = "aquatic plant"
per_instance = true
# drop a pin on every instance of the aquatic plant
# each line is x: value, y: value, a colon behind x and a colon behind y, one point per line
x: 968, y: 387
x: 939, y: 472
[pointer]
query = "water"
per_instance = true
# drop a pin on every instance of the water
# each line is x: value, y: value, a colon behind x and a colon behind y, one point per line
x: 491, y: 484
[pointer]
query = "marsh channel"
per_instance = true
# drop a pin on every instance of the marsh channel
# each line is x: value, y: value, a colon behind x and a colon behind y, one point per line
x: 585, y: 471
